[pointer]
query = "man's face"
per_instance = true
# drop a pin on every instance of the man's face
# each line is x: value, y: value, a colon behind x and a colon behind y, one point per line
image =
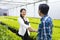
x: 39, y: 12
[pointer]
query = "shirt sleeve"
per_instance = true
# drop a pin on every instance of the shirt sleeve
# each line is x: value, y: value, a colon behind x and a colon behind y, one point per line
x: 21, y: 22
x: 47, y: 28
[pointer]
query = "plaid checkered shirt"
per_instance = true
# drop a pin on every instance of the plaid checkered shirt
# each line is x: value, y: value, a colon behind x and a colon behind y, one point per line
x: 45, y: 28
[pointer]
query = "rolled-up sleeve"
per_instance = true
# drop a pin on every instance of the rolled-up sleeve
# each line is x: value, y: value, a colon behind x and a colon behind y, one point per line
x: 21, y: 22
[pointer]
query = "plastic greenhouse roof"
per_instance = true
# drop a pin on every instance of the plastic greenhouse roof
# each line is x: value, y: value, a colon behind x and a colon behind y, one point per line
x: 7, y: 4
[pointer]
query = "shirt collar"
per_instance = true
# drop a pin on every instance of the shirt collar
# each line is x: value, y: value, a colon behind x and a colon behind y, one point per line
x: 43, y: 17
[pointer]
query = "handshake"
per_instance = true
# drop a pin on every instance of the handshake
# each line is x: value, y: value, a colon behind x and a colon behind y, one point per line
x: 31, y: 29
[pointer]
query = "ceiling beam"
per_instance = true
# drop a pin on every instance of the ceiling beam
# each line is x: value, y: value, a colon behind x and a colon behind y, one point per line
x: 14, y: 2
x: 19, y: 3
x: 11, y: 4
x: 30, y: 3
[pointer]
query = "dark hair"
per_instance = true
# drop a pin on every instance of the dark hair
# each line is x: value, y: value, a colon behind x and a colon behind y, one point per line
x: 44, y: 8
x: 22, y: 9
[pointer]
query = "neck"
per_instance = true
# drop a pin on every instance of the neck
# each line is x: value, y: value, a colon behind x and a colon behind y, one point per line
x: 42, y: 15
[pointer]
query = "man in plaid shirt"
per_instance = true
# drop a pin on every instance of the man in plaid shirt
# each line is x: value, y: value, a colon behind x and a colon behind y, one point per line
x: 45, y: 27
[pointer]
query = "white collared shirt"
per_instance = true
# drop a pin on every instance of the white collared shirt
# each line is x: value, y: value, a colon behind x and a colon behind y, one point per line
x: 23, y: 26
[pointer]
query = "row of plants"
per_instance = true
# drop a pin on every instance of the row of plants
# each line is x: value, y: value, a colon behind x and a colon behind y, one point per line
x: 6, y: 34
x: 35, y: 20
x: 15, y: 25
